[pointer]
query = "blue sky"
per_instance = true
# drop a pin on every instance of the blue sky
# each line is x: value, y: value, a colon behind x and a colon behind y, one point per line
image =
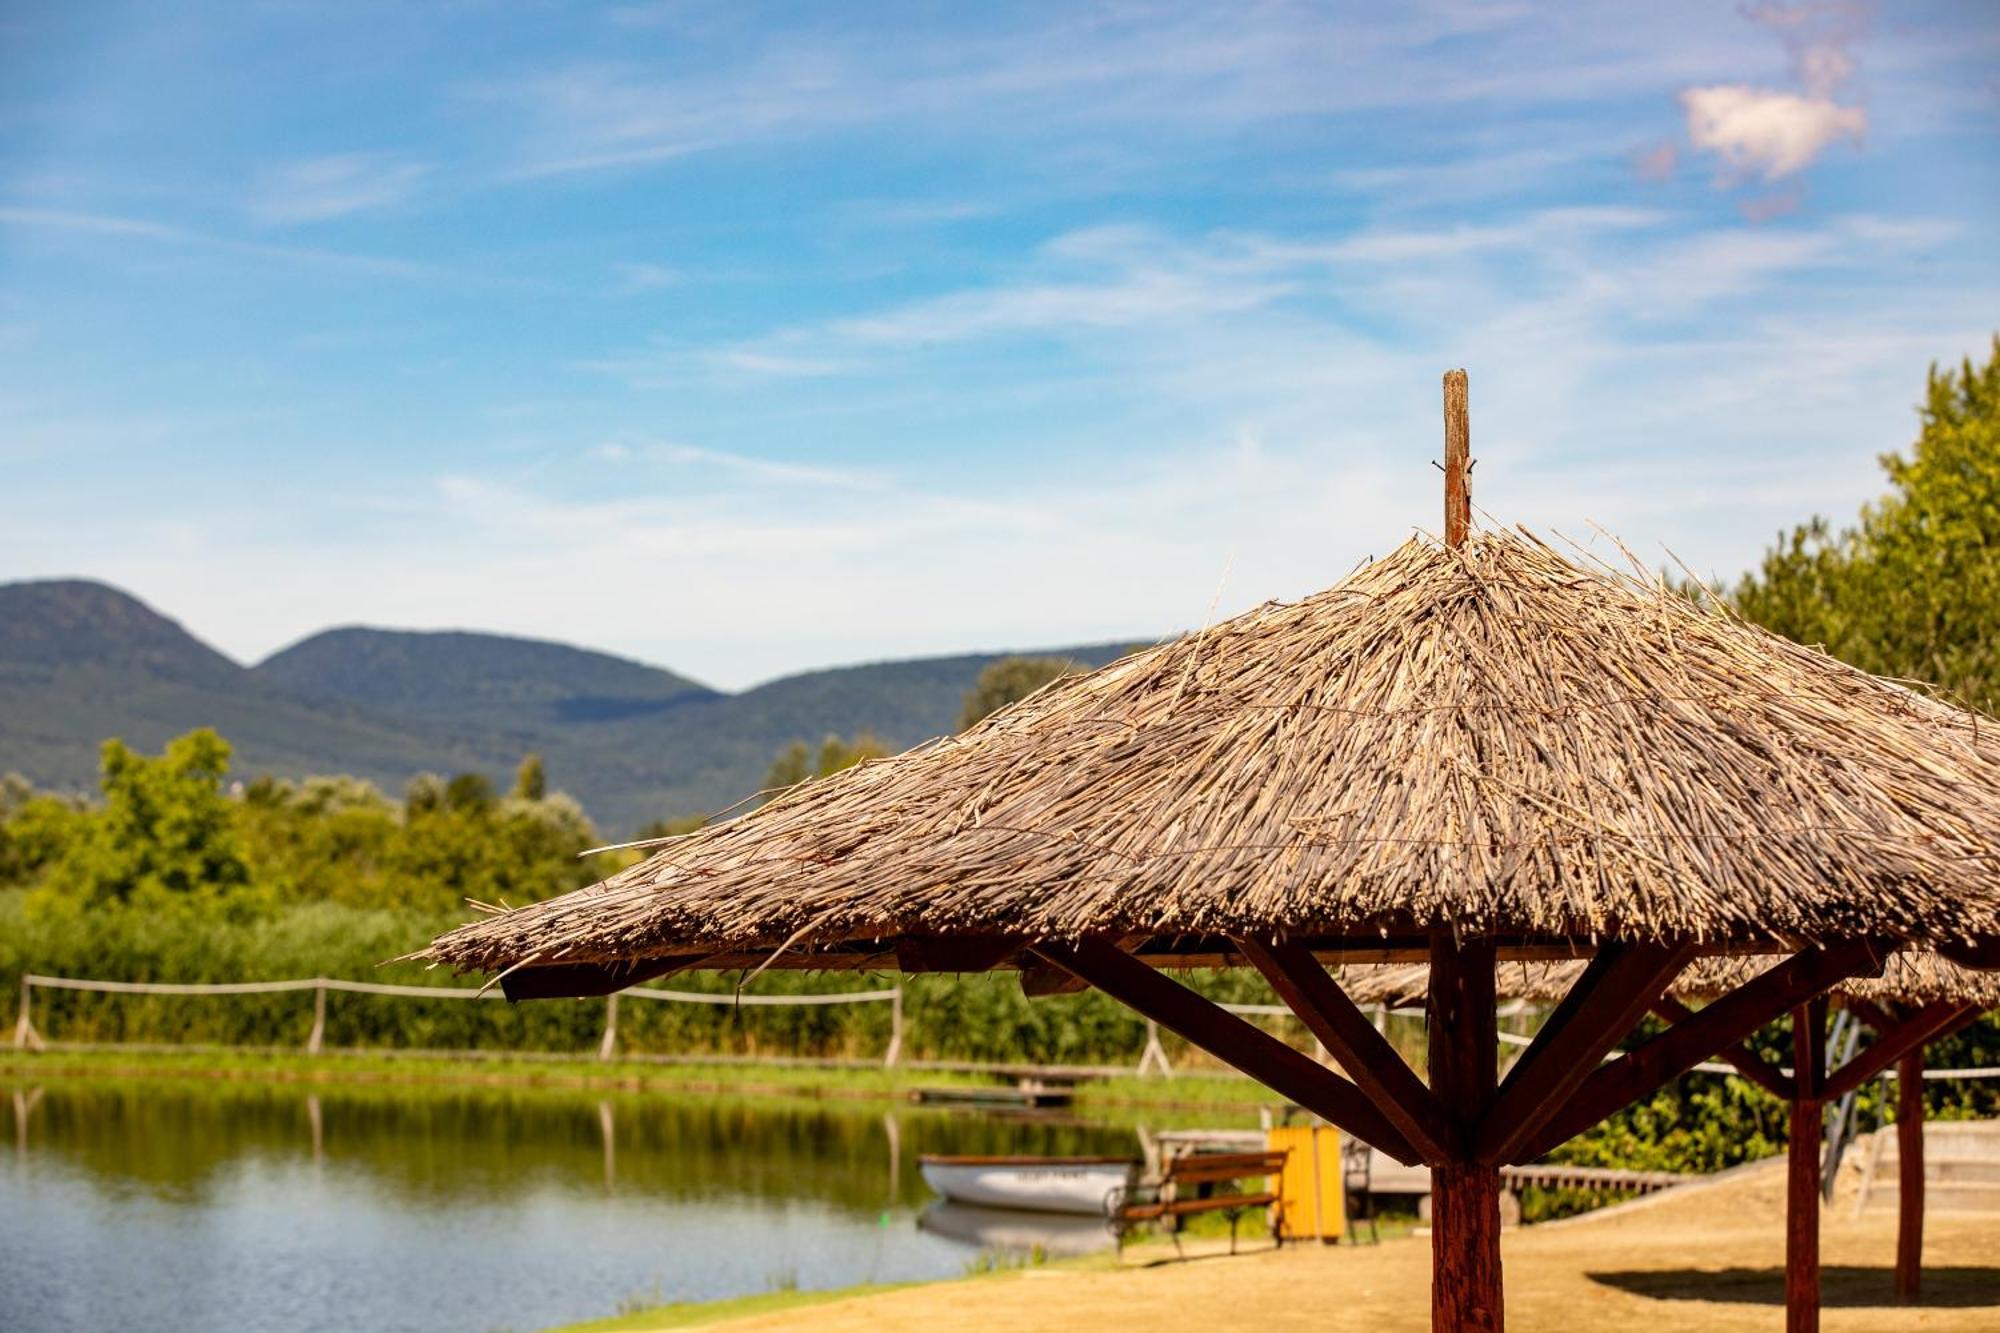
x: 750, y: 338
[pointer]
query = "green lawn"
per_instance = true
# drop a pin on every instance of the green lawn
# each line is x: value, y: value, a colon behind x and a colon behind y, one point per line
x: 1108, y: 1099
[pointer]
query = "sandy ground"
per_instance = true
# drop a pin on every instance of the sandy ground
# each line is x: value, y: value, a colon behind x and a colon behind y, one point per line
x: 1707, y: 1257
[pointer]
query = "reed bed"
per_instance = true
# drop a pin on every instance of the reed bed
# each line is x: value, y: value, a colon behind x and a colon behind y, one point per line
x: 1493, y: 738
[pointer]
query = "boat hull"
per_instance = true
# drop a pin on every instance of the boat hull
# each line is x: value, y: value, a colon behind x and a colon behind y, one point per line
x: 1037, y: 1185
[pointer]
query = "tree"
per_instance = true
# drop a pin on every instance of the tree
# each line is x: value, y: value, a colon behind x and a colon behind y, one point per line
x: 1010, y: 680
x: 531, y: 781
x: 1913, y: 589
x: 470, y: 793
x: 796, y: 762
x: 165, y: 834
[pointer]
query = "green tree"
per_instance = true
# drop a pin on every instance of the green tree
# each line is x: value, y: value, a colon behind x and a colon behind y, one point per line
x: 469, y: 792
x: 1913, y: 589
x: 531, y: 780
x: 165, y: 834
x: 36, y: 830
x: 1010, y: 680
x: 797, y: 762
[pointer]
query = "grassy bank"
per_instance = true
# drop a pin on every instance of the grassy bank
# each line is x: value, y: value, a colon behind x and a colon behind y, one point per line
x: 693, y: 1314
x: 1104, y: 1099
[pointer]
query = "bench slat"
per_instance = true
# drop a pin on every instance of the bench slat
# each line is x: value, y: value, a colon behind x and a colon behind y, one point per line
x: 1181, y: 1208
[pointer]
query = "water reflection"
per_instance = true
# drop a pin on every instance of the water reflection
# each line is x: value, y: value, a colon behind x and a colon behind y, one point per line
x: 1055, y: 1234
x: 176, y: 1205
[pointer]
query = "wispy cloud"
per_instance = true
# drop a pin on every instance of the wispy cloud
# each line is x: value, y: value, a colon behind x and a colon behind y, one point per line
x: 1112, y: 280
x: 318, y: 188
x: 746, y: 466
x: 640, y: 277
x: 1199, y: 68
x: 111, y: 227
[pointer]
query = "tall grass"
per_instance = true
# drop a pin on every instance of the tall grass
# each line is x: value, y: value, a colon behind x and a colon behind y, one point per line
x: 973, y: 1017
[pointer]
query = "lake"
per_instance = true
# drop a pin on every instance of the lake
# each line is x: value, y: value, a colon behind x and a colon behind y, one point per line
x: 174, y: 1204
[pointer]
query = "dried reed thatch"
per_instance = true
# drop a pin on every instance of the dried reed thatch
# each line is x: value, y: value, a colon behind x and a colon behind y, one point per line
x: 1489, y: 737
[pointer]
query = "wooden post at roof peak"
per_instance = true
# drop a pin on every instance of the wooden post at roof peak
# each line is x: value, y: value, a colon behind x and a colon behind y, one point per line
x: 1457, y: 460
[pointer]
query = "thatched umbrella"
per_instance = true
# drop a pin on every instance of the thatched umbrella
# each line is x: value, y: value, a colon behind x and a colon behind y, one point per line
x: 1470, y: 750
x: 1918, y: 999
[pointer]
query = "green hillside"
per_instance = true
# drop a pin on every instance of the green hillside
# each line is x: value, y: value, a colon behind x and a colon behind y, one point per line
x: 81, y: 661
x: 462, y: 677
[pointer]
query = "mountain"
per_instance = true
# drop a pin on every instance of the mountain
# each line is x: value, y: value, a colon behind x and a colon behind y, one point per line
x: 474, y: 678
x: 80, y: 661
x: 632, y: 742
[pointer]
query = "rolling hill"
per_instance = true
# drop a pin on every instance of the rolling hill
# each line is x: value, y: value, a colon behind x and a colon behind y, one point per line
x: 80, y: 661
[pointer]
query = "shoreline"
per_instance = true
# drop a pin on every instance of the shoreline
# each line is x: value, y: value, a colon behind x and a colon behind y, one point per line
x: 360, y: 1067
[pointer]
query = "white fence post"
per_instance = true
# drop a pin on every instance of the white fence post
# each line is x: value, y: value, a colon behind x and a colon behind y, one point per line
x: 1154, y: 1054
x: 25, y: 1036
x: 318, y: 1037
x: 895, y: 1029
x: 608, y: 1047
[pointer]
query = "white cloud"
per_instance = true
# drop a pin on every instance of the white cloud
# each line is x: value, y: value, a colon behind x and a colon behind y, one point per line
x: 126, y: 228
x: 317, y: 188
x: 1765, y: 133
x: 1769, y: 133
x: 747, y: 466
x: 637, y: 277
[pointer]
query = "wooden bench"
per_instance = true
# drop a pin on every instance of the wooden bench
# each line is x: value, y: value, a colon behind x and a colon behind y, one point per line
x: 1188, y: 1184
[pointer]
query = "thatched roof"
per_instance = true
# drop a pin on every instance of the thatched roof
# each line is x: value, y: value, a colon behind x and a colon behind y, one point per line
x: 1490, y: 737
x: 1909, y: 977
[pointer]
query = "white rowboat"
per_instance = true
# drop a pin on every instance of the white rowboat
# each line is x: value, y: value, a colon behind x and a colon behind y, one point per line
x: 1030, y: 1184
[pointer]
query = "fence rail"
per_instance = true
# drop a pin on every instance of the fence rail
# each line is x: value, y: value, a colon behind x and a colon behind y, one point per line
x: 1153, y: 1059
x: 27, y: 1038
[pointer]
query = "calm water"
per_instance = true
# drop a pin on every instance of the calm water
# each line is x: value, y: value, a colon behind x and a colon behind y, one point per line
x: 165, y: 1205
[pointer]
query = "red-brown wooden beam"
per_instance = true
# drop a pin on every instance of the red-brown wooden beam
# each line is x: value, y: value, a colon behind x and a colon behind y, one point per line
x: 1802, y: 1163
x: 1910, y: 1175
x: 1919, y: 1030
x: 1229, y: 1039
x: 1740, y: 1057
x: 1604, y: 1005
x: 1365, y: 1054
x: 1466, y: 1290
x: 1714, y: 1027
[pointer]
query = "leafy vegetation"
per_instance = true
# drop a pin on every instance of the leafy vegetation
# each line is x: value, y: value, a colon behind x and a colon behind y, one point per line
x: 1912, y: 589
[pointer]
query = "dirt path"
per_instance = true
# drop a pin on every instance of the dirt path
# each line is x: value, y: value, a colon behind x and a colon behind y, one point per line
x: 1710, y: 1257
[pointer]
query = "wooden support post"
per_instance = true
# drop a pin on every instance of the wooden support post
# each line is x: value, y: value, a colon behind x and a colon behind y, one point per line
x: 1802, y: 1175
x: 1466, y: 1290
x: 1913, y: 1033
x: 895, y: 1051
x: 1711, y: 1028
x: 1604, y: 1005
x: 1457, y: 460
x: 1746, y: 1061
x: 1364, y: 1053
x: 607, y: 1046
x: 1287, y: 1072
x: 1910, y: 1175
